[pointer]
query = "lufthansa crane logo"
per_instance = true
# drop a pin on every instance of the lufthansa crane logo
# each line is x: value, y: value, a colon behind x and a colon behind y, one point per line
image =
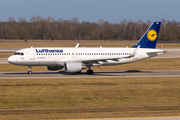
x: 152, y: 35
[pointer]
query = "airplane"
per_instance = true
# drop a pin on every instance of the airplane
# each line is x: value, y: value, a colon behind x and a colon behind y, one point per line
x: 74, y: 59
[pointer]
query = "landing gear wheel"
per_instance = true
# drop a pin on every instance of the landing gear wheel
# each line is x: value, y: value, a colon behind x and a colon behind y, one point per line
x: 90, y: 72
x: 29, y: 72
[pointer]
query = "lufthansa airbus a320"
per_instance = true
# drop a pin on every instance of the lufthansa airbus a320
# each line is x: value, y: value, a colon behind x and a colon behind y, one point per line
x: 74, y: 59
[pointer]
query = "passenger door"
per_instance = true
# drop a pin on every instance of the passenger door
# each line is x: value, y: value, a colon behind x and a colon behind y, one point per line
x: 32, y: 54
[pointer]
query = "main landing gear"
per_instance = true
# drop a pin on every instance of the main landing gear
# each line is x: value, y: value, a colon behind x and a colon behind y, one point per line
x: 90, y: 71
x: 30, y: 72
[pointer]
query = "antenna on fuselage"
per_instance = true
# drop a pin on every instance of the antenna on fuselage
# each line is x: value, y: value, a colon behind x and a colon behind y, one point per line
x: 32, y: 46
x: 77, y: 45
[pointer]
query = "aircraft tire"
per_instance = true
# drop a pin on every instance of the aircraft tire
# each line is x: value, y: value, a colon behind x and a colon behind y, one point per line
x: 90, y: 72
x: 29, y: 72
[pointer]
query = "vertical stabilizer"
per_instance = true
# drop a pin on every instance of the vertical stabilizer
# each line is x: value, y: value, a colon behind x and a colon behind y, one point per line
x: 149, y: 39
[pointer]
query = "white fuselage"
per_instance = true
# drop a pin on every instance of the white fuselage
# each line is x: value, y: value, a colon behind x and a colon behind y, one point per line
x: 74, y: 59
x: 54, y: 56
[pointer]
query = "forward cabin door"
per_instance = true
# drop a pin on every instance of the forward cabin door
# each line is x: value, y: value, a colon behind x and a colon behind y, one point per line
x: 32, y: 54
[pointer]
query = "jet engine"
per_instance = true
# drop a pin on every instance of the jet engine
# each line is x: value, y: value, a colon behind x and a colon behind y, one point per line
x: 72, y: 67
x: 54, y: 67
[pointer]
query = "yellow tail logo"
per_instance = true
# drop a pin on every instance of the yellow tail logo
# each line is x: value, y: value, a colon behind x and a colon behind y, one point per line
x: 152, y: 35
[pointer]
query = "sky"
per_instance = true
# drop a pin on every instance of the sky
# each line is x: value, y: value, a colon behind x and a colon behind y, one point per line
x: 113, y: 11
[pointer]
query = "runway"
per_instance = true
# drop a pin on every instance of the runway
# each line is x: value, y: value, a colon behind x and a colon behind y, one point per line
x: 100, y: 74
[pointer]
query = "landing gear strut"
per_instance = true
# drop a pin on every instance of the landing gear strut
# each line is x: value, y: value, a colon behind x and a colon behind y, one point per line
x: 30, y: 72
x: 90, y: 71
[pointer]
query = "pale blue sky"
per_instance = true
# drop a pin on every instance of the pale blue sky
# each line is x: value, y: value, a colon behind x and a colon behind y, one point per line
x: 113, y: 11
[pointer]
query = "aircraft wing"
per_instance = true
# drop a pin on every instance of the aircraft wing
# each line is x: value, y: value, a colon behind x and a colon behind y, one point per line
x: 102, y: 59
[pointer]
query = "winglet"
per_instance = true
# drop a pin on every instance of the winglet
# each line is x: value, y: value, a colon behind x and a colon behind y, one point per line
x: 77, y: 45
x: 149, y: 39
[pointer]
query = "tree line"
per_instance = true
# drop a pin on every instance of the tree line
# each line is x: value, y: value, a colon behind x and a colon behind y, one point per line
x: 49, y: 28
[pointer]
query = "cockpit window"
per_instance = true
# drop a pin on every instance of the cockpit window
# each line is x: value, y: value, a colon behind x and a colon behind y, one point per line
x: 18, y: 53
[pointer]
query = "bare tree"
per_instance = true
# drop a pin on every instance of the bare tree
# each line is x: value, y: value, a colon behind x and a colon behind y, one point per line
x: 44, y: 28
x: 164, y: 23
x: 11, y: 19
x: 148, y: 22
x: 124, y: 24
x: 22, y: 19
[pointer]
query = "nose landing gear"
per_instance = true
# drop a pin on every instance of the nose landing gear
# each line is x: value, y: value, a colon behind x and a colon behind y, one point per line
x: 30, y: 72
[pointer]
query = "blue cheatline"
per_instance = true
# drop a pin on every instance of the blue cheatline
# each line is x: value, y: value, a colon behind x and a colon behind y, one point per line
x: 149, y: 39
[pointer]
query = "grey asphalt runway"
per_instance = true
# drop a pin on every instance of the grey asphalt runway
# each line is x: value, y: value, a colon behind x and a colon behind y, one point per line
x: 62, y: 74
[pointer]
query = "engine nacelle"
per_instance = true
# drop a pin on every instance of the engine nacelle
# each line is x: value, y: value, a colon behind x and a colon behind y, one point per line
x: 54, y: 67
x: 72, y: 67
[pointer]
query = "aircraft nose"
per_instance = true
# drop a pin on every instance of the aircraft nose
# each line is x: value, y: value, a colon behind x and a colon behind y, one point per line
x: 10, y: 59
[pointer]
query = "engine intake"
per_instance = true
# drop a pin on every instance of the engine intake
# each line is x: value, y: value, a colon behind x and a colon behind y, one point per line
x: 72, y: 67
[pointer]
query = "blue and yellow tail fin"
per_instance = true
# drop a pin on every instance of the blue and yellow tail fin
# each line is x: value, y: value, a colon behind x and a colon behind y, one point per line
x: 149, y: 39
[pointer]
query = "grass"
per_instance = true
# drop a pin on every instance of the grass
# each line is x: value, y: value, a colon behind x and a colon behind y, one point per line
x: 100, y: 97
x: 96, y: 92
